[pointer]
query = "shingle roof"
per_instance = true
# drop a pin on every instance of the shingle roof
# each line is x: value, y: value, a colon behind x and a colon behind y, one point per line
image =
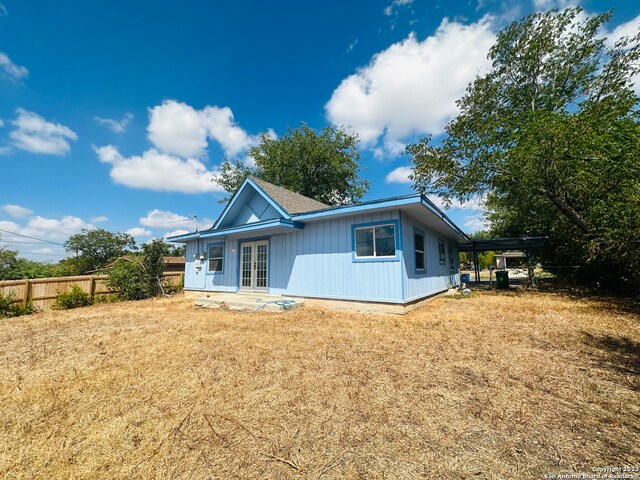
x: 292, y: 202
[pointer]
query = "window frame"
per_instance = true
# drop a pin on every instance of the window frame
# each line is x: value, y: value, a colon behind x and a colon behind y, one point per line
x: 452, y: 266
x: 209, y: 247
x: 423, y: 270
x: 442, y: 252
x: 387, y: 258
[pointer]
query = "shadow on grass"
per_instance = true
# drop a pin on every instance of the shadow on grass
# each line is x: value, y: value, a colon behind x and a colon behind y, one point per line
x: 623, y: 303
x: 620, y: 355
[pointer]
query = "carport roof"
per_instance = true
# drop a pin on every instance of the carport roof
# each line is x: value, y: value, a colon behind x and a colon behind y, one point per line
x: 492, y: 244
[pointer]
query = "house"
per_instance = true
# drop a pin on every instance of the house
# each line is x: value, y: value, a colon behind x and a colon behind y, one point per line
x: 270, y: 240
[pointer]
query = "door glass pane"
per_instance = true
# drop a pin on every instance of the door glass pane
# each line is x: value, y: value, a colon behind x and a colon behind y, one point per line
x: 247, y: 253
x: 261, y: 265
x: 364, y: 242
x: 385, y: 241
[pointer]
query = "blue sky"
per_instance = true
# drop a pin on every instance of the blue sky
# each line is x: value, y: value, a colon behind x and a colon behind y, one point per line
x: 116, y: 114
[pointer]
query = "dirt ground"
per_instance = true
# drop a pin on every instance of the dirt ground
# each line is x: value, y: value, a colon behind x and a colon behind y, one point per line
x: 509, y: 385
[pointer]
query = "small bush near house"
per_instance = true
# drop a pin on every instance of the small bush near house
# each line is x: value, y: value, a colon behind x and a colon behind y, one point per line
x: 128, y: 279
x: 10, y: 308
x: 135, y: 277
x: 74, y: 298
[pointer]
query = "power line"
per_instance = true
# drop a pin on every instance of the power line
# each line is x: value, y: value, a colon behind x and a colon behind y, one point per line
x: 11, y: 242
x: 33, y: 238
x: 185, y: 219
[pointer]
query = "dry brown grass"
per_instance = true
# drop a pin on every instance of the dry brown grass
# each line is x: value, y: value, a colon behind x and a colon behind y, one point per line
x: 494, y: 386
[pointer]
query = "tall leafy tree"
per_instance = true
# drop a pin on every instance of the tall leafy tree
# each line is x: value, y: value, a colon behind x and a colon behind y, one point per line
x: 96, y: 248
x: 8, y: 263
x: 551, y: 137
x: 321, y: 165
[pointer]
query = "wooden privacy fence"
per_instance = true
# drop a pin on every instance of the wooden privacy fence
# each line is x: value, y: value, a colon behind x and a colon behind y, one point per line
x: 43, y: 291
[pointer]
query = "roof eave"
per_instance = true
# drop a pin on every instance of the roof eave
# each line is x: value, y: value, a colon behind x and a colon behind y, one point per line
x: 211, y: 233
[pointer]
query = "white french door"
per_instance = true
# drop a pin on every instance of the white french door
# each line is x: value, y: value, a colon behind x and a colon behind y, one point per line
x: 254, y: 265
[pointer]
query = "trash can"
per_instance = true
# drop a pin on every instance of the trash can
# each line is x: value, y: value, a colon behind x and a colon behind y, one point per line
x: 502, y: 279
x: 465, y: 277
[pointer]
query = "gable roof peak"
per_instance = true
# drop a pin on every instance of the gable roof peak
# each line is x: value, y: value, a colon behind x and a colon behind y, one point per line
x: 291, y: 202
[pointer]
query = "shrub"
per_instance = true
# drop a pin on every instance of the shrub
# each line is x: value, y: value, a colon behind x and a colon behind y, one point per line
x: 128, y: 279
x: 74, y: 298
x: 10, y: 308
x: 105, y: 298
x: 135, y: 277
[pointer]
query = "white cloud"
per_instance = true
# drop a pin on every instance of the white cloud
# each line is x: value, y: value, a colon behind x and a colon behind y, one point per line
x: 627, y: 29
x: 476, y: 204
x: 178, y: 129
x: 396, y: 3
x: 56, y: 230
x: 411, y: 87
x: 352, y: 45
x: 3, y: 10
x: 158, y: 171
x: 17, y: 211
x: 99, y: 219
x: 159, y: 218
x: 474, y: 223
x: 544, y: 5
x: 34, y: 134
x: 1, y: 123
x: 8, y: 225
x: 175, y: 233
x: 139, y: 232
x: 400, y: 175
x: 223, y: 128
x: 13, y: 71
x: 117, y: 126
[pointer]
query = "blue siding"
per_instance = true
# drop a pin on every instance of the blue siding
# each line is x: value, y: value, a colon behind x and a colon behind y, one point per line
x: 437, y: 277
x: 317, y: 262
x: 200, y: 279
x: 257, y: 209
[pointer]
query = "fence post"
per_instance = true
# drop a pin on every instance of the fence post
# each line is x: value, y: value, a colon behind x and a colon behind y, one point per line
x: 25, y: 296
x: 92, y: 286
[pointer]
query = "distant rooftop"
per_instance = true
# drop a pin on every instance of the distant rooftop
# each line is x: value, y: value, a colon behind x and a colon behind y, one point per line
x: 292, y: 202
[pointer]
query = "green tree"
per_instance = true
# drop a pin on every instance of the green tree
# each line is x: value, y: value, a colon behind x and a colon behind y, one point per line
x: 177, y: 250
x: 153, y: 254
x: 96, y: 248
x: 12, y: 267
x: 485, y: 259
x: 323, y: 166
x: 551, y: 136
x: 139, y: 276
x: 8, y: 263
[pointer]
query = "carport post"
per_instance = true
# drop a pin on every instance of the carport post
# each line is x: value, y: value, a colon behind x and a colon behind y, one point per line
x: 476, y: 267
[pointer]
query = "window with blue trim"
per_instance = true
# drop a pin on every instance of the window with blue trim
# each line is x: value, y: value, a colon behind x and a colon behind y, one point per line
x: 452, y: 266
x: 377, y: 241
x: 441, y: 252
x: 215, y: 258
x: 418, y: 245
